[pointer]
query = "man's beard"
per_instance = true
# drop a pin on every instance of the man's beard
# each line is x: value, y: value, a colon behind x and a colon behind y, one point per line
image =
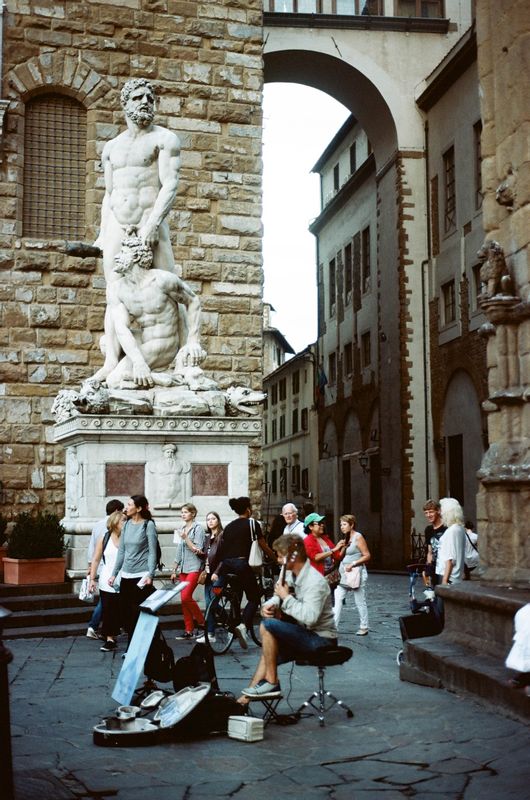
x: 141, y: 117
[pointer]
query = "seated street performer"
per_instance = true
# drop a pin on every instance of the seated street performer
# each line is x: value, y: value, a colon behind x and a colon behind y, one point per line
x: 297, y: 621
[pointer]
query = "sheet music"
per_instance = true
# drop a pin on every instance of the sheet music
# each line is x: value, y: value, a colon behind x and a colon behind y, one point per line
x: 161, y: 597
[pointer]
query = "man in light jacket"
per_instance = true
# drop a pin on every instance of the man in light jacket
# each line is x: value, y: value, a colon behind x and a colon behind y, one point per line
x: 297, y: 621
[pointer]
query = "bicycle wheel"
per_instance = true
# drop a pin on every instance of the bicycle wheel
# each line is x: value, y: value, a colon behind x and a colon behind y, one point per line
x: 223, y: 613
x: 254, y: 631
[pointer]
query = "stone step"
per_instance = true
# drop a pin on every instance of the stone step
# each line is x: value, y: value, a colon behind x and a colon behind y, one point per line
x: 8, y: 590
x: 167, y: 622
x: 37, y: 612
x: 42, y: 601
x: 441, y: 662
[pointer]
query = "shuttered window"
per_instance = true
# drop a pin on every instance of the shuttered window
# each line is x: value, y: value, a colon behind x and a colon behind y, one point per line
x: 54, y: 168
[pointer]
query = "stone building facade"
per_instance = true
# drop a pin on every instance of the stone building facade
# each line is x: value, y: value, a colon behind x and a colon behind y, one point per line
x: 503, y: 35
x: 205, y: 61
x: 456, y: 350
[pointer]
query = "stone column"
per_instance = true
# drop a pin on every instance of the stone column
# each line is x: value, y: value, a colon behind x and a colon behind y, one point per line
x: 503, y: 35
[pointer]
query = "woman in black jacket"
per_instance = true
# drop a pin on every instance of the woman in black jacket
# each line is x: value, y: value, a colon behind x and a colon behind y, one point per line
x: 232, y: 558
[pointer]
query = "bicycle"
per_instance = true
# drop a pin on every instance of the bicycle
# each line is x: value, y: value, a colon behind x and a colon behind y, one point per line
x: 226, y: 610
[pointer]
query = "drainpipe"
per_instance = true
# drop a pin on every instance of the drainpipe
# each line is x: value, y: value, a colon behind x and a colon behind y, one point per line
x: 424, y: 284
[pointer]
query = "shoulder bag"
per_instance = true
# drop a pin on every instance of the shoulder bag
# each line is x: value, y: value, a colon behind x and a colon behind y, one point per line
x: 352, y: 579
x: 255, y: 558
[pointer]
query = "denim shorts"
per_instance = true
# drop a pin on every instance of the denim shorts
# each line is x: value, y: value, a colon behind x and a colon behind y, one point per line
x: 294, y: 640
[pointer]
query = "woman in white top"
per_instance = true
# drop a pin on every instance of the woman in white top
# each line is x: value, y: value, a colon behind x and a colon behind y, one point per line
x: 451, y: 552
x: 106, y: 552
x: 356, y: 554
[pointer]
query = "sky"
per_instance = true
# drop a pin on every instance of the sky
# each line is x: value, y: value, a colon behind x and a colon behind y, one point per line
x: 299, y: 122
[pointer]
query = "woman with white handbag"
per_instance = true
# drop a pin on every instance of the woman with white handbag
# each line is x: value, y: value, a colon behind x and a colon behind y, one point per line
x: 353, y: 573
x: 240, y: 537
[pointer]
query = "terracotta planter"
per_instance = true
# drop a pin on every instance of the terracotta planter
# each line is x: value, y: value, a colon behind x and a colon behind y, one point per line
x: 22, y: 571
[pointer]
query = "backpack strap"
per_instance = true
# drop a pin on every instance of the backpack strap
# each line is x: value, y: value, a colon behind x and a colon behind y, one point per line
x: 105, y: 543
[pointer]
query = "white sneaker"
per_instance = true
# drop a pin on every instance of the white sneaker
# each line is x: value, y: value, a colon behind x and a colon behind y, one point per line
x: 91, y: 633
x: 202, y: 639
x: 241, y: 633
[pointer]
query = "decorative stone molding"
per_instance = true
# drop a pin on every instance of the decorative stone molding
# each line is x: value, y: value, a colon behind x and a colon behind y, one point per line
x: 158, y: 427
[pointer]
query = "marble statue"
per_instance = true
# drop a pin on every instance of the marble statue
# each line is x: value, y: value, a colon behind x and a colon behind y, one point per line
x: 151, y: 341
x: 168, y: 479
x: 144, y: 305
x: 141, y: 168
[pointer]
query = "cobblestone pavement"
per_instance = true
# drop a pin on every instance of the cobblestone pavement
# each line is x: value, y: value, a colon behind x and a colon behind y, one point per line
x: 404, y: 741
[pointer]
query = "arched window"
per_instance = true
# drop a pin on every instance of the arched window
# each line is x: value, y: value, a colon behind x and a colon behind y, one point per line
x: 54, y: 168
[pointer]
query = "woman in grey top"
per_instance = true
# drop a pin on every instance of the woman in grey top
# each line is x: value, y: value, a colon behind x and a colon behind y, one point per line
x: 357, y: 555
x: 136, y: 559
x: 189, y: 562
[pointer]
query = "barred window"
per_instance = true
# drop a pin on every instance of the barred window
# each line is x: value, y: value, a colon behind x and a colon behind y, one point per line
x: 450, y: 190
x: 54, y: 168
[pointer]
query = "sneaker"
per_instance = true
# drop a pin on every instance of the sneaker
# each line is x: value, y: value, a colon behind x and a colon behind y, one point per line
x: 202, y: 639
x: 241, y: 633
x: 361, y: 632
x: 108, y: 647
x: 92, y: 634
x: 263, y: 689
x: 187, y: 636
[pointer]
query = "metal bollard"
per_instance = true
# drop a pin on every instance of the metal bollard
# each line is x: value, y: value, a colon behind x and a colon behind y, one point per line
x: 8, y: 791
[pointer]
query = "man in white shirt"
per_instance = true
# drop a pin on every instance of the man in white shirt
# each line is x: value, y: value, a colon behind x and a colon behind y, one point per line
x: 98, y: 532
x: 292, y: 523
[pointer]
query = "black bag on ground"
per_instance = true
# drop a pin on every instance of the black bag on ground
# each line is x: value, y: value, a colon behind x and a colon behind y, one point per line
x: 210, y: 716
x: 196, y: 668
x: 160, y: 660
x: 419, y: 626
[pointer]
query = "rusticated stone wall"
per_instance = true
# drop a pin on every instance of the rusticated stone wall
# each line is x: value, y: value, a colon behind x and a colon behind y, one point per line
x: 205, y: 60
x: 503, y: 36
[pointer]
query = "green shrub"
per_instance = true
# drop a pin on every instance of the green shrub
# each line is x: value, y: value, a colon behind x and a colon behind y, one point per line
x: 38, y: 535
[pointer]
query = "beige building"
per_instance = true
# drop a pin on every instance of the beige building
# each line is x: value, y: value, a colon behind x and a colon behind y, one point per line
x: 350, y: 478
x: 290, y: 433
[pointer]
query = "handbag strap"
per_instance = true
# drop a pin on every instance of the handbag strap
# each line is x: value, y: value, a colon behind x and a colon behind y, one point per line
x: 252, y: 524
x: 473, y: 545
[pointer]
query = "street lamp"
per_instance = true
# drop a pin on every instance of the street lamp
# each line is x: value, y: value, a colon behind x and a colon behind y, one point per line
x: 363, y: 462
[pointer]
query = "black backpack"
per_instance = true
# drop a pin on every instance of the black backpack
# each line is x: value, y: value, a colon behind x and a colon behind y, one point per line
x: 159, y: 564
x: 197, y: 667
x: 160, y: 660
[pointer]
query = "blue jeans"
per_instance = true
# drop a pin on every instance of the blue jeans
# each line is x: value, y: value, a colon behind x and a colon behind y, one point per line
x: 294, y: 640
x: 97, y: 614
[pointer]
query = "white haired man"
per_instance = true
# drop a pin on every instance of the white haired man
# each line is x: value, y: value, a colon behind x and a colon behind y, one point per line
x: 292, y: 523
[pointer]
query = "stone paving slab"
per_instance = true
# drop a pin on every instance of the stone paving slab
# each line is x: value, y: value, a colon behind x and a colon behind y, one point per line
x: 404, y: 740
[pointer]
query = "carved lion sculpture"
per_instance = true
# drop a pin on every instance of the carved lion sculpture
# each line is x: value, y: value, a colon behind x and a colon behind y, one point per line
x: 493, y: 268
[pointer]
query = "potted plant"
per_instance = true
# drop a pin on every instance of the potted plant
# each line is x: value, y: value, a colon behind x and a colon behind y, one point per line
x: 35, y: 550
x: 3, y: 545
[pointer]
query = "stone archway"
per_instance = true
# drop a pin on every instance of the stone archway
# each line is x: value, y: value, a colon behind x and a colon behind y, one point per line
x: 462, y: 431
x: 397, y: 141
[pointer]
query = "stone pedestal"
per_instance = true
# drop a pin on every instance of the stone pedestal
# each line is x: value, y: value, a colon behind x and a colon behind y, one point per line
x: 469, y: 655
x: 170, y: 460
